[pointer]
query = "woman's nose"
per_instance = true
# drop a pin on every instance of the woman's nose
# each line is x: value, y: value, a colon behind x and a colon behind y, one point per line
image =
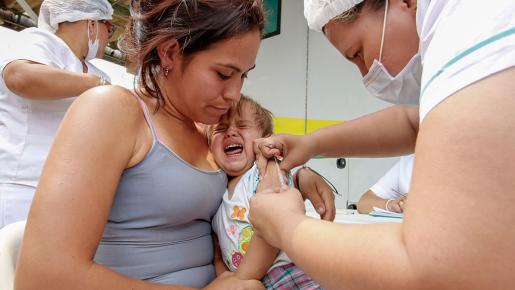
x: 233, y: 91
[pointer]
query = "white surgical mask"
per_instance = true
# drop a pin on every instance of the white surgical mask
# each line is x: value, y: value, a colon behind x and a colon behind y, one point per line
x: 404, y: 88
x: 92, y: 46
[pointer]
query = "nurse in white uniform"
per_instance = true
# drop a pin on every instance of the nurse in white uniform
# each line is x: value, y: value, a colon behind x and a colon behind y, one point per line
x: 457, y: 231
x: 390, y: 192
x: 47, y: 67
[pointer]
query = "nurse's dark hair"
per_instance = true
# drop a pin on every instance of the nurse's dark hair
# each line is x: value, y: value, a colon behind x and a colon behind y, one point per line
x: 195, y: 24
x: 353, y: 13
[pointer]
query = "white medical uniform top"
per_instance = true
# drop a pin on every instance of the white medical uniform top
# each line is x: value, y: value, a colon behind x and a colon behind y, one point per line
x: 396, y: 182
x: 27, y: 127
x: 461, y: 42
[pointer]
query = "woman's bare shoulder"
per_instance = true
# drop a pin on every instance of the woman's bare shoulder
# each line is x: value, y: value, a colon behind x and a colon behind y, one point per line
x: 109, y: 104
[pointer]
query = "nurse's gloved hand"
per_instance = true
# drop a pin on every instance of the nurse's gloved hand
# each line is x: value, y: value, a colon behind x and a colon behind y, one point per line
x: 229, y: 281
x: 295, y: 150
x: 275, y: 215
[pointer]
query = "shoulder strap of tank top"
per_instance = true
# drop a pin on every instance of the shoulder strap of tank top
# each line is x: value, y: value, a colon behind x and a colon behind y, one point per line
x: 148, y: 117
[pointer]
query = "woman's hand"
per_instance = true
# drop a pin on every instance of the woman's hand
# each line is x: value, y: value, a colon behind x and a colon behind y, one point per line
x: 396, y: 205
x: 295, y: 150
x: 275, y: 215
x: 228, y: 281
x: 313, y: 187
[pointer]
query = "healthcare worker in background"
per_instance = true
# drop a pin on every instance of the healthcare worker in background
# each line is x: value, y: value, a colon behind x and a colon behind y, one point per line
x: 458, y: 228
x: 391, y: 191
x: 40, y: 78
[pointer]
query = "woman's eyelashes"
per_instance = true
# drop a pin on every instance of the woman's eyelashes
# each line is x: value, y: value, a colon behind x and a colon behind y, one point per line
x: 226, y: 76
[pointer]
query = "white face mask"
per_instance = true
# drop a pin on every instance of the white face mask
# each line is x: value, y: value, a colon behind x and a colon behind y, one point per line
x: 92, y: 46
x: 404, y: 88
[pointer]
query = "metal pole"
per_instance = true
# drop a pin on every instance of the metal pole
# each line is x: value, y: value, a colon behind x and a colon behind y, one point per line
x: 28, y: 10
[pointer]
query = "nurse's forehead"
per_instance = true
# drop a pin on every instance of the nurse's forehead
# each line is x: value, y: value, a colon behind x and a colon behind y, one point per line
x: 343, y: 39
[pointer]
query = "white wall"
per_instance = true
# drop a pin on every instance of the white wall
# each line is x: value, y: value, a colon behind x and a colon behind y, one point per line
x: 334, y: 92
x: 279, y: 79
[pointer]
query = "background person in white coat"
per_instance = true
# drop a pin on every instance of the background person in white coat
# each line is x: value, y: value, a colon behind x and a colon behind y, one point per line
x: 41, y: 76
x: 457, y: 231
x: 390, y: 192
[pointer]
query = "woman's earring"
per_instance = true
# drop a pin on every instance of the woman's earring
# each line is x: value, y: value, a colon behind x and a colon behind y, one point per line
x: 166, y: 70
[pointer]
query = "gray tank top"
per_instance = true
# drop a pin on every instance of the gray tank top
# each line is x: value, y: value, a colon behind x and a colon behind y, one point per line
x: 159, y: 226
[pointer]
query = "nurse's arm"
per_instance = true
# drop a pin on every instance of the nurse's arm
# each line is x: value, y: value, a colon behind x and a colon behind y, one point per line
x: 369, y: 200
x: 43, y: 82
x: 458, y: 229
x: 389, y: 132
x: 97, y: 140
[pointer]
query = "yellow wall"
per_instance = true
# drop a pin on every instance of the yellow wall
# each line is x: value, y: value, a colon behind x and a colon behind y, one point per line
x: 296, y: 125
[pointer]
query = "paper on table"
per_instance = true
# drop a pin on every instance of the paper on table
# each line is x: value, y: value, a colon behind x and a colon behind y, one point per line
x: 385, y: 213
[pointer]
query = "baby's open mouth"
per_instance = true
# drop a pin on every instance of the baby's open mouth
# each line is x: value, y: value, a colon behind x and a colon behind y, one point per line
x: 233, y: 149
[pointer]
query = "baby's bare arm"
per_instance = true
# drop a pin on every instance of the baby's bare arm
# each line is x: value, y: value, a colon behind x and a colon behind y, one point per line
x: 260, y: 255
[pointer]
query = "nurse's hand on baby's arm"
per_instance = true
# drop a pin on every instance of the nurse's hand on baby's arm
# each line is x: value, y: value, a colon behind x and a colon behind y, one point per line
x: 296, y: 150
x: 274, y: 216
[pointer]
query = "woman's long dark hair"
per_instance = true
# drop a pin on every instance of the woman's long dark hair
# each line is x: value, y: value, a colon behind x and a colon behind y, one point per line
x: 195, y: 24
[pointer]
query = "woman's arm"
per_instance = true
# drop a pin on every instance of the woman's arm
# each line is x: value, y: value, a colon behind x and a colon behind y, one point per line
x: 218, y: 262
x: 43, y: 82
x: 457, y: 231
x: 320, y: 194
x: 97, y: 140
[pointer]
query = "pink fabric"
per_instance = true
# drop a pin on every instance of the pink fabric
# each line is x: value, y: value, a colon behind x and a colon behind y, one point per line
x: 289, y: 277
x: 147, y: 117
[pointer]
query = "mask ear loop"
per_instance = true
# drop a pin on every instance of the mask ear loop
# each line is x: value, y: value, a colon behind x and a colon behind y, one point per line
x: 94, y: 38
x: 97, y: 24
x: 384, y: 29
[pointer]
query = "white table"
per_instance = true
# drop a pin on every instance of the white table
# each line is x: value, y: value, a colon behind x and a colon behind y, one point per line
x: 344, y: 216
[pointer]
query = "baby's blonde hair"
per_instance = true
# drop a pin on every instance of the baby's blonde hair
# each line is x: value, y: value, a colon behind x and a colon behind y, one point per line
x: 263, y: 117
